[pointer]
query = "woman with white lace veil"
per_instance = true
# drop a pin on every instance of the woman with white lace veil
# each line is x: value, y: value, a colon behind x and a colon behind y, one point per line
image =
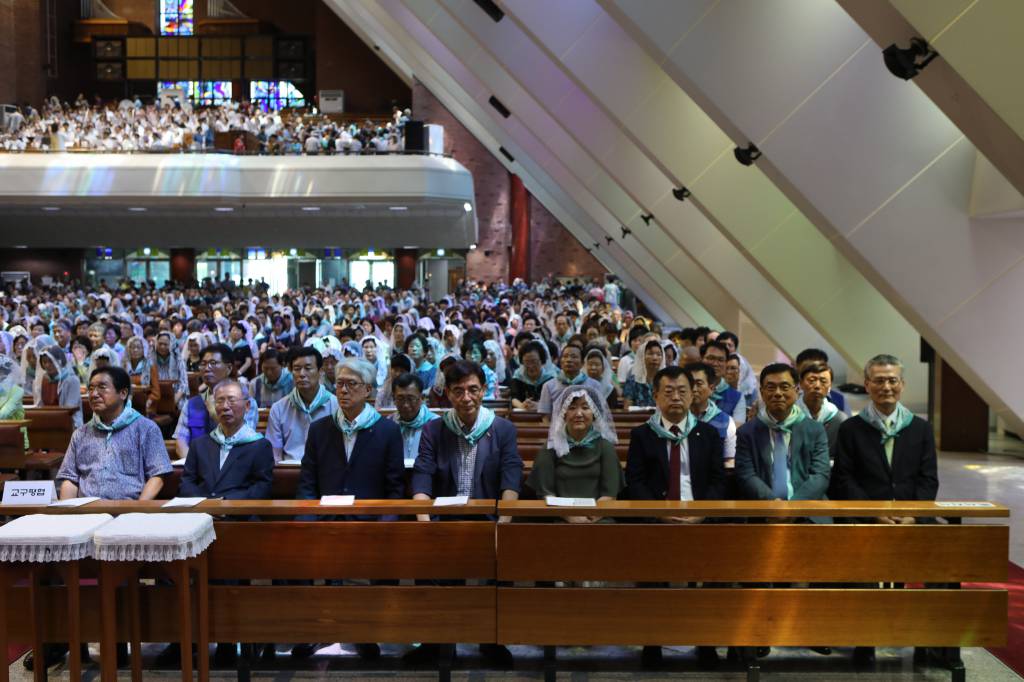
x: 30, y: 359
x: 599, y: 368
x: 580, y: 458
x: 12, y: 405
x: 375, y: 352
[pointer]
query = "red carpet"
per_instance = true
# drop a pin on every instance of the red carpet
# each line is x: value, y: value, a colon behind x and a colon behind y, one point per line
x: 1013, y: 653
x: 14, y: 652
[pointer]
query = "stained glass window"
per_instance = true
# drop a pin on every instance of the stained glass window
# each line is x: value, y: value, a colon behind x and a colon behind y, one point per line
x: 202, y: 92
x: 177, y: 17
x: 274, y: 95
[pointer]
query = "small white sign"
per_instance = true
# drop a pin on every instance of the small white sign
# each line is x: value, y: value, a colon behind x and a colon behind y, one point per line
x: 968, y: 505
x: 451, y: 501
x: 74, y: 502
x: 29, y: 492
x: 553, y: 501
x: 337, y: 500
x: 289, y: 463
x: 182, y: 502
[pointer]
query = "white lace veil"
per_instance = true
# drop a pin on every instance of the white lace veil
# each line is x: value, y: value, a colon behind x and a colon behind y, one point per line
x: 558, y: 439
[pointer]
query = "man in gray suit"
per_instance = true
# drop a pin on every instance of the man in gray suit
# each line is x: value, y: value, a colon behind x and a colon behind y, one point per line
x: 782, y: 454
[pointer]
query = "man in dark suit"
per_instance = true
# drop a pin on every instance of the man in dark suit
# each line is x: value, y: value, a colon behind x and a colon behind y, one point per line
x: 675, y: 456
x: 781, y: 454
x: 885, y: 452
x: 352, y: 452
x: 232, y: 461
x: 469, y: 452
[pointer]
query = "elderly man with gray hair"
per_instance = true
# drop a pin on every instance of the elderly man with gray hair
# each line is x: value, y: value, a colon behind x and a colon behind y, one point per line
x: 352, y: 452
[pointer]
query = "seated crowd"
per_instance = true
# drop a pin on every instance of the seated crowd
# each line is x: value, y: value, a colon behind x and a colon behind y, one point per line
x: 132, y: 126
x: 363, y: 386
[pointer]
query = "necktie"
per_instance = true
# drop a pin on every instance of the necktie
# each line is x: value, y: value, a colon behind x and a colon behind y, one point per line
x: 780, y: 466
x: 674, y: 467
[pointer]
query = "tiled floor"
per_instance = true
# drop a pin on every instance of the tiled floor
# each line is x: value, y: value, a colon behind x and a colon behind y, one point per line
x: 962, y: 476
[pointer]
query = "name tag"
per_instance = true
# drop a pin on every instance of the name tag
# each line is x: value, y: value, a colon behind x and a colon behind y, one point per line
x: 29, y: 492
x: 337, y: 500
x: 553, y: 501
x: 454, y: 501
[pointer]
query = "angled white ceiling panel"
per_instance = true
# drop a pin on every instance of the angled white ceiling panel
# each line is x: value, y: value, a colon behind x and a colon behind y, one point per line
x: 872, y: 161
x: 377, y: 28
x: 592, y: 128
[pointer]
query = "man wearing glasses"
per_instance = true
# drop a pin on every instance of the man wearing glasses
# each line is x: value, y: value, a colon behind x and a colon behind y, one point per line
x: 781, y: 454
x: 199, y: 418
x: 352, y: 452
x: 470, y: 452
x: 885, y: 453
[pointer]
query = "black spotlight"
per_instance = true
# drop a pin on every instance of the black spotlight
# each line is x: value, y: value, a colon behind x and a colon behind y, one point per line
x: 625, y: 231
x: 597, y: 245
x: 747, y: 156
x: 680, y: 193
x: 647, y: 218
x: 609, y: 240
x: 903, y: 62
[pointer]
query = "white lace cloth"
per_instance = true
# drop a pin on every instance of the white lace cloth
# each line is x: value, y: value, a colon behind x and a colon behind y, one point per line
x: 50, y: 537
x: 154, y: 537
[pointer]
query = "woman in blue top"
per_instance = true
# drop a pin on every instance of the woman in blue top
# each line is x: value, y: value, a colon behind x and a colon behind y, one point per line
x: 474, y: 351
x: 416, y: 349
x: 638, y: 390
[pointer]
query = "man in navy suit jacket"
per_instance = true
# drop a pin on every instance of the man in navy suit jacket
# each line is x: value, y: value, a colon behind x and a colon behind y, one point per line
x: 233, y: 461
x: 469, y: 452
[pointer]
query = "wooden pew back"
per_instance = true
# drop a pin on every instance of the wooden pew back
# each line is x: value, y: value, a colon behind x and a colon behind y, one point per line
x: 49, y: 428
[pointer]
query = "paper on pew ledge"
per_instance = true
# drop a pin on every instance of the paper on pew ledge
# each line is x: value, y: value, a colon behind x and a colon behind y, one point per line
x: 183, y: 502
x: 73, y: 502
x: 553, y: 501
x: 964, y: 504
x: 289, y: 463
x: 337, y: 500
x: 451, y: 501
x: 178, y: 462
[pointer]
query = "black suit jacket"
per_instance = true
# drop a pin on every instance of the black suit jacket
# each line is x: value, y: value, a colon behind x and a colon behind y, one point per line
x: 248, y: 472
x: 647, y: 464
x: 498, y: 466
x: 862, y: 471
x: 375, y: 471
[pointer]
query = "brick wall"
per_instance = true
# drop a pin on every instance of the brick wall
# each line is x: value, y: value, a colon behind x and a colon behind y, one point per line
x: 489, y: 261
x: 553, y: 249
x: 7, y: 57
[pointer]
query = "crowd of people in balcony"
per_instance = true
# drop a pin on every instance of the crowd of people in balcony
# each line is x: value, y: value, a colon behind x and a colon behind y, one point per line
x: 167, y: 126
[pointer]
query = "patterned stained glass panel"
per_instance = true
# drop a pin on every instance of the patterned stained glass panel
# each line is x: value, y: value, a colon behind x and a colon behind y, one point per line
x: 274, y: 95
x: 177, y: 17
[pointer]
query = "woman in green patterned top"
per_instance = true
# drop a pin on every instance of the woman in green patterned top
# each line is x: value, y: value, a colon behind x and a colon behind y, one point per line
x: 580, y: 459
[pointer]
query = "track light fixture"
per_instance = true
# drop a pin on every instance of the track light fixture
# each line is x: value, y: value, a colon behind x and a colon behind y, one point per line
x: 597, y: 245
x: 748, y: 155
x: 903, y: 62
x: 609, y: 240
x: 680, y: 193
x: 647, y: 218
x: 625, y: 231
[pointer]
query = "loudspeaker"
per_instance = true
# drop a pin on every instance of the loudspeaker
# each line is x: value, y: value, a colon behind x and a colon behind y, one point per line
x: 108, y: 49
x: 927, y: 352
x: 414, y: 138
x: 291, y: 49
x: 110, y: 71
x: 291, y: 71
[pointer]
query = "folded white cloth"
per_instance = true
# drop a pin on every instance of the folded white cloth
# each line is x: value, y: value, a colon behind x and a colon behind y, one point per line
x: 154, y: 537
x: 50, y: 537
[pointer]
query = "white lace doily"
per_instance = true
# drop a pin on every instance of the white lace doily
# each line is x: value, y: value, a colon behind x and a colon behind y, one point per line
x: 50, y: 537
x: 154, y: 537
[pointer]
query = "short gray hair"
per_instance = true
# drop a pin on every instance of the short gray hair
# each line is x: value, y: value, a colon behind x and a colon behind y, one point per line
x: 366, y: 371
x: 882, y: 360
x: 227, y: 383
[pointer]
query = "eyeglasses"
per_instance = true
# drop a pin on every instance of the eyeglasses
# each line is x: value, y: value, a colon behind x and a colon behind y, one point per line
x: 349, y: 385
x: 230, y: 401
x: 886, y: 381
x: 210, y: 364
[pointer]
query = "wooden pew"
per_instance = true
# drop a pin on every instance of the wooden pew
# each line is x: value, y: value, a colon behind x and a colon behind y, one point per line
x: 749, y: 554
x: 194, y: 379
x: 49, y: 432
x: 303, y: 550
